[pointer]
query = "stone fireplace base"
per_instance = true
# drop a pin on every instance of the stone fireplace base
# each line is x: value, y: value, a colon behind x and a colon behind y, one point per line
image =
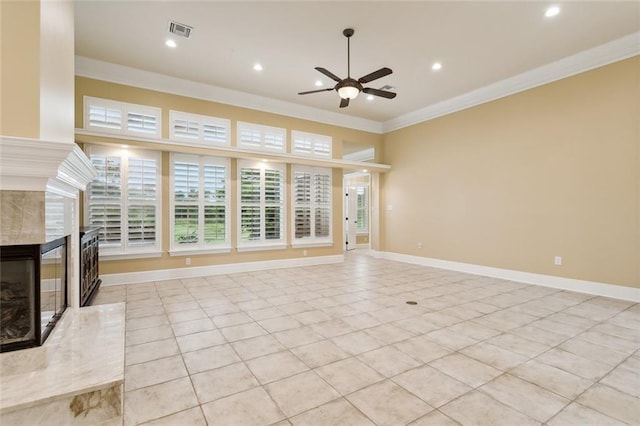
x: 80, y: 373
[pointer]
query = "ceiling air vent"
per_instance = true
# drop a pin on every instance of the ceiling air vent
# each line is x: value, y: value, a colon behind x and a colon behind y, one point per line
x: 179, y: 29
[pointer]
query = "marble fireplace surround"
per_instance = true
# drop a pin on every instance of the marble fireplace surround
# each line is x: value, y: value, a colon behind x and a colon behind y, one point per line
x: 76, y: 377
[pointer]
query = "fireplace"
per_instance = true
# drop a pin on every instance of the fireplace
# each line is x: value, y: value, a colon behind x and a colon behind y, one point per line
x: 33, y: 292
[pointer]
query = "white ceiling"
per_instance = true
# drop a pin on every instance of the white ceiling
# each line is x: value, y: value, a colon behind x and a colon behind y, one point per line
x: 478, y: 43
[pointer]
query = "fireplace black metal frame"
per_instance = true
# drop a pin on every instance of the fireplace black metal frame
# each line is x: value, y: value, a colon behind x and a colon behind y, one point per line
x: 34, y: 252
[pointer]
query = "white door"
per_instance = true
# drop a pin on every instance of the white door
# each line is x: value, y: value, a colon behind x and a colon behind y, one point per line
x: 350, y: 217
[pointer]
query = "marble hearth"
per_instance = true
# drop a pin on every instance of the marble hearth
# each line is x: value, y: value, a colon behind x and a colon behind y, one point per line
x: 75, y: 378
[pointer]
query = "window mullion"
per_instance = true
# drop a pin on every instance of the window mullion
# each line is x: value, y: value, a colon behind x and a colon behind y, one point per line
x: 124, y: 200
x: 263, y: 203
x: 201, y: 203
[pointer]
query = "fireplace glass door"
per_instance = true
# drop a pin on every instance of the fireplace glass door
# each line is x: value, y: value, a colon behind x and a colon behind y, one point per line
x: 33, y: 292
x: 52, y: 279
x: 17, y: 299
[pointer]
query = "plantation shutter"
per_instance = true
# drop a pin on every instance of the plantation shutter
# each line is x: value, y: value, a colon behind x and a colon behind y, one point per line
x: 105, y: 199
x: 250, y: 190
x: 215, y: 210
x: 199, y: 129
x: 310, y: 144
x: 186, y: 185
x: 274, y: 204
x: 139, y: 122
x: 312, y: 193
x: 186, y: 129
x: 258, y: 137
x: 215, y: 133
x: 103, y: 117
x: 322, y: 190
x: 142, y: 199
x: 362, y: 219
x: 302, y: 202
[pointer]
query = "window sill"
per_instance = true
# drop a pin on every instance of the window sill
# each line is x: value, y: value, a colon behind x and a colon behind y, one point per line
x: 218, y: 250
x: 312, y: 244
x: 260, y: 247
x: 126, y: 256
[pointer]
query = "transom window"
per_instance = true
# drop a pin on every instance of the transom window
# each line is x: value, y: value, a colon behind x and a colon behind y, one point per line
x: 261, y: 138
x: 108, y: 116
x: 311, y: 144
x: 201, y: 129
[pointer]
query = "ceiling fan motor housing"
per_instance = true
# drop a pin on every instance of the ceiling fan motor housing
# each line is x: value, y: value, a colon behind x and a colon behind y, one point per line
x: 349, y: 82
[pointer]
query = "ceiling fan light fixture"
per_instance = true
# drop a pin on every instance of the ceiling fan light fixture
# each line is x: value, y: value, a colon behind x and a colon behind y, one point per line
x: 348, y: 92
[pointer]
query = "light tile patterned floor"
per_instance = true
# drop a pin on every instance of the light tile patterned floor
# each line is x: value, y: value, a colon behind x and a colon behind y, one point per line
x: 337, y: 344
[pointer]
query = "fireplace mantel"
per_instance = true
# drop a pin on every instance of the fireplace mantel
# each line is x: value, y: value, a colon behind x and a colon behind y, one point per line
x: 34, y: 164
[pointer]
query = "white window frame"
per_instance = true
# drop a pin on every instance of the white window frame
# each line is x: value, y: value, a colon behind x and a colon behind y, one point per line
x: 125, y: 249
x: 199, y: 136
x: 263, y: 134
x: 263, y: 243
x: 201, y: 246
x: 316, y: 144
x: 125, y: 109
x: 311, y: 240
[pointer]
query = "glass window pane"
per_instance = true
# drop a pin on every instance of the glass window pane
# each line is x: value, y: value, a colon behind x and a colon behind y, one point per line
x: 214, y: 224
x: 185, y: 224
x: 322, y: 221
x: 250, y: 223
x: 186, y: 181
x: 302, y: 222
x: 250, y: 185
x: 142, y: 225
x: 272, y: 222
x: 215, y: 179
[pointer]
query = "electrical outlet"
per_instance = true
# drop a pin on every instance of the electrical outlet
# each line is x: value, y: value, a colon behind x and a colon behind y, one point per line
x: 557, y: 260
x: 419, y: 245
x: 187, y: 261
x: 304, y: 252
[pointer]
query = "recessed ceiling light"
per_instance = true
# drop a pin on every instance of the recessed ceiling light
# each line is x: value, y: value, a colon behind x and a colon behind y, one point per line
x: 318, y: 83
x: 552, y: 11
x: 369, y: 97
x: 170, y: 43
x: 257, y: 67
x: 436, y: 66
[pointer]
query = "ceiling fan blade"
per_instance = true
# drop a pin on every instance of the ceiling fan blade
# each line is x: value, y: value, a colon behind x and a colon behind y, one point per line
x: 344, y: 103
x: 329, y: 74
x: 375, y: 75
x: 316, y: 91
x: 381, y: 93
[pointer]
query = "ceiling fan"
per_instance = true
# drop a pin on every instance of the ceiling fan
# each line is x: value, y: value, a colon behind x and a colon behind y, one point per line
x: 348, y: 88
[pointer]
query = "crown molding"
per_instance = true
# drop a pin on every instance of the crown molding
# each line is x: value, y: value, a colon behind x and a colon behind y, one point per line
x: 92, y: 68
x: 28, y: 164
x: 616, y: 50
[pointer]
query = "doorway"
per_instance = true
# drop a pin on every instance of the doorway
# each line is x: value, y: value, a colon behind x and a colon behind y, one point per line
x: 357, y: 211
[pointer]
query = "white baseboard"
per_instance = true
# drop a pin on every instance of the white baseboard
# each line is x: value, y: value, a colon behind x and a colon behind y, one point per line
x: 230, y: 268
x: 589, y: 287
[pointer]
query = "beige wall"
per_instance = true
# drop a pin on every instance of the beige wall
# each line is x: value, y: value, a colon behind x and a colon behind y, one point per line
x: 553, y: 171
x: 106, y: 90
x: 20, y: 69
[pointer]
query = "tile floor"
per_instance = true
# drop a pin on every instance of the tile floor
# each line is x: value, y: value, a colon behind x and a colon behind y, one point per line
x: 337, y: 344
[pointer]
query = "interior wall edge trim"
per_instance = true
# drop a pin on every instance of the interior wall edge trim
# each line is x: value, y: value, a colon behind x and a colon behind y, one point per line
x: 582, y: 286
